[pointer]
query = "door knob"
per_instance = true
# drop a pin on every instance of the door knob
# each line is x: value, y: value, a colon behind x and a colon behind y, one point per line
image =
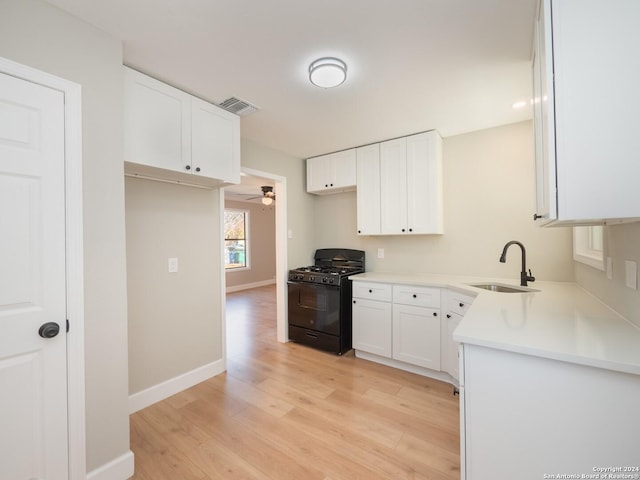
x: 49, y: 330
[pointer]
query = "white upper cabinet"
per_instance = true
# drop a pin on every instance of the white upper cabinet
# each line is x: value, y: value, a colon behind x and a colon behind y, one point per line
x: 368, y: 192
x: 332, y: 173
x: 585, y: 86
x: 171, y: 135
x: 411, y: 185
x: 214, y: 140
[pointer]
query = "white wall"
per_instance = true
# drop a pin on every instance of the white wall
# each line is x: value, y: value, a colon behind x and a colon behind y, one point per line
x: 175, y: 321
x: 300, y: 205
x: 39, y: 35
x: 488, y: 200
x: 261, y: 238
x: 622, y: 242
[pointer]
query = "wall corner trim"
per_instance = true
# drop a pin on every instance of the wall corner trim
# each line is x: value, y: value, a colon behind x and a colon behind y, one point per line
x: 156, y: 393
x: 120, y: 468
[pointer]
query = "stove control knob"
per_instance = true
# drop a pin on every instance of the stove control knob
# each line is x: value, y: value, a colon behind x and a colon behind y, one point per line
x: 312, y: 278
x: 331, y: 280
x: 324, y: 280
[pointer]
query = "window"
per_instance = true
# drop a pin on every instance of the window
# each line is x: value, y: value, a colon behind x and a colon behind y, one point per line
x: 588, y: 246
x: 236, y: 223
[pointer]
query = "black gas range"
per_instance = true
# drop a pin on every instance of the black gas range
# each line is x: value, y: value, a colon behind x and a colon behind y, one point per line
x: 320, y: 299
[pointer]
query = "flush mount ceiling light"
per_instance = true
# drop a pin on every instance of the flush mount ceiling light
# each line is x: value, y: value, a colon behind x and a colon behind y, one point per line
x: 327, y: 72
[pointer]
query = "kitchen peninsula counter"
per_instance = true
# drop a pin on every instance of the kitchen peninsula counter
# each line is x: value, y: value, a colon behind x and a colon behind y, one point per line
x: 555, y: 320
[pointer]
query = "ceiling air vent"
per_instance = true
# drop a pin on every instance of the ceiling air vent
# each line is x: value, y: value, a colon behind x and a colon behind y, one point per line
x: 238, y: 106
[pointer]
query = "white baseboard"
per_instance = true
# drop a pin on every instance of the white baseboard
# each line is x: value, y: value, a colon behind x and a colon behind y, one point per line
x: 247, y: 286
x: 119, y: 468
x: 151, y: 395
x: 407, y: 367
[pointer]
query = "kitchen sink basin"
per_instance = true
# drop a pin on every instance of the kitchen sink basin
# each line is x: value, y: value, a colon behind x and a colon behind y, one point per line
x: 498, y: 287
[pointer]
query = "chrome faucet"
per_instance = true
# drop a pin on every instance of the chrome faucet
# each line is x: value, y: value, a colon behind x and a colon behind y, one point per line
x: 524, y: 277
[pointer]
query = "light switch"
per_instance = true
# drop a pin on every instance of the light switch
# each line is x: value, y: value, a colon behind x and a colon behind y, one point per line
x: 173, y: 265
x: 381, y: 253
x: 632, y: 274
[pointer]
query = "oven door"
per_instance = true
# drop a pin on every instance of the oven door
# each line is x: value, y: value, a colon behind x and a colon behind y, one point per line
x: 315, y: 306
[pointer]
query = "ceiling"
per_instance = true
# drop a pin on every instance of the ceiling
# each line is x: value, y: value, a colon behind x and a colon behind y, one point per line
x: 248, y: 190
x: 413, y: 65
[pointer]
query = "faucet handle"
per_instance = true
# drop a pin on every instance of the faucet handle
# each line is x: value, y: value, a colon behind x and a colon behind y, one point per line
x: 530, y: 277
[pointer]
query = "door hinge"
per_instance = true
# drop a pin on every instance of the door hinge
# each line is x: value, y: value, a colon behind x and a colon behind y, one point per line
x: 67, y: 325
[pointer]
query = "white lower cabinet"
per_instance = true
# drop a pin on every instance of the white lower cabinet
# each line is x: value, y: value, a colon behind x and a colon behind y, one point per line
x: 529, y: 417
x: 400, y: 325
x: 456, y: 305
x: 372, y: 326
x: 416, y: 336
x: 450, y: 363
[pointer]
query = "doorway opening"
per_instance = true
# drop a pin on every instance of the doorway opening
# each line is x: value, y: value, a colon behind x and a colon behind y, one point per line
x: 250, y: 191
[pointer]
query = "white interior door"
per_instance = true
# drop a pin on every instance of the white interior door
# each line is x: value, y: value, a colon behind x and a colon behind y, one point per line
x: 33, y: 369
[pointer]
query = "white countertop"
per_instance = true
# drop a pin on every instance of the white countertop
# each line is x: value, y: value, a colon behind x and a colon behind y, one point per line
x: 560, y: 321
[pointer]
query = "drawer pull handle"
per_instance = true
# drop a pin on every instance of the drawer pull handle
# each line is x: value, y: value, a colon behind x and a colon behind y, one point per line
x: 312, y: 335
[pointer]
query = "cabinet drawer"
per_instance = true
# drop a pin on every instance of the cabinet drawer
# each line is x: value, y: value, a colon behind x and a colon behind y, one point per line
x: 459, y: 302
x: 418, y: 296
x: 372, y: 291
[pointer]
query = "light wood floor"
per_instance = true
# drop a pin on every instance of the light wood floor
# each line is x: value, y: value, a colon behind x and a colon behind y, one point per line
x: 285, y: 411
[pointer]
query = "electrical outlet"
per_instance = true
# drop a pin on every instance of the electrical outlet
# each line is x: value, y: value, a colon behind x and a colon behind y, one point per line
x: 173, y: 265
x: 632, y: 274
x: 381, y: 253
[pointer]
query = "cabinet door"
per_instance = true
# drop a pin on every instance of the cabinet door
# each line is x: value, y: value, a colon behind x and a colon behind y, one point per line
x: 319, y: 171
x: 393, y: 187
x: 372, y: 327
x: 450, y: 354
x: 332, y: 173
x: 215, y: 142
x: 344, y: 169
x: 368, y: 190
x: 424, y: 183
x: 544, y: 148
x: 157, y: 123
x: 416, y: 336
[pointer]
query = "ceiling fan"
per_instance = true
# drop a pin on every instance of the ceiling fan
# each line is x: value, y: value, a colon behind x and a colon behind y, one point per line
x: 268, y: 195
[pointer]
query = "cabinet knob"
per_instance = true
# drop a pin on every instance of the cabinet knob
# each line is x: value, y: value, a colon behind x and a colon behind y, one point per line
x: 359, y: 231
x: 415, y: 296
x: 536, y: 216
x: 370, y: 291
x: 197, y: 169
x: 411, y: 229
x: 448, y: 316
x: 188, y: 167
x: 461, y: 304
x: 354, y: 301
x: 435, y: 314
x: 326, y: 185
x: 403, y: 230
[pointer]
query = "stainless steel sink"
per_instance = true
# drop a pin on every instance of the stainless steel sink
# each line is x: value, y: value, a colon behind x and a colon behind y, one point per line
x: 498, y: 287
